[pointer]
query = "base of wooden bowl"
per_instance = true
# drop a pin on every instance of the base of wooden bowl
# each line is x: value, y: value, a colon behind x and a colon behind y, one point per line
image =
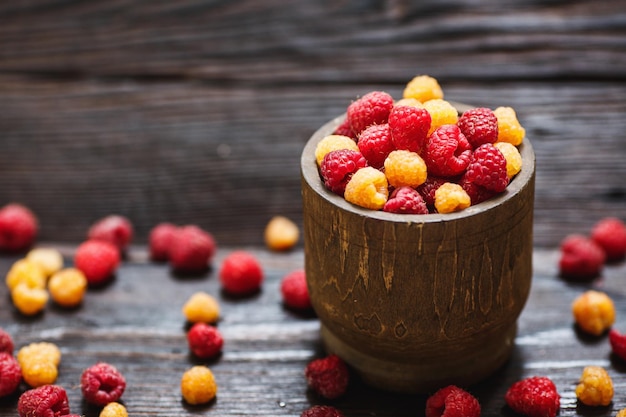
x: 416, y: 302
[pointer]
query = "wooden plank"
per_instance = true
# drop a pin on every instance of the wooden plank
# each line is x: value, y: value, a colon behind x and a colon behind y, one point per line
x: 136, y: 324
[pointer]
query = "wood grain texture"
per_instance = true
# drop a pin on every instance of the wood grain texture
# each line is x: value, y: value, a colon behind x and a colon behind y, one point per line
x: 136, y: 323
x: 196, y: 111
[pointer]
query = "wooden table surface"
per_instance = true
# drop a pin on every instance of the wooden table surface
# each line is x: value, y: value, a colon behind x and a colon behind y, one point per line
x: 196, y: 112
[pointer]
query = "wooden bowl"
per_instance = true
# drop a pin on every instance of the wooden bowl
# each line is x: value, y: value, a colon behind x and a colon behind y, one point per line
x: 416, y: 302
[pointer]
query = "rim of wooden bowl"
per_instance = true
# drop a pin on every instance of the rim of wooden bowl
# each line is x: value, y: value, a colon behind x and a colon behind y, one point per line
x: 310, y: 173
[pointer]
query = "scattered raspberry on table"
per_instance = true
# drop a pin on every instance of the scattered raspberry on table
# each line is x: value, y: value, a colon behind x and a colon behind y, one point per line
x: 294, y: 290
x: 101, y: 384
x: 98, y: 260
x: 44, y: 401
x: 160, y: 240
x: 321, y: 411
x: 192, y: 250
x: 328, y: 376
x: 452, y: 401
x: 18, y: 227
x: 241, y: 273
x: 205, y: 341
x: 581, y: 258
x: 115, y: 229
x: 10, y: 374
x: 610, y: 234
x: 535, y: 396
x: 198, y: 385
x: 595, y: 387
x: 594, y: 312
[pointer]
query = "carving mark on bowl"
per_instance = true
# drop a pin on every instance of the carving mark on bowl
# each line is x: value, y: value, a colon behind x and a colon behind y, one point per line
x: 371, y: 324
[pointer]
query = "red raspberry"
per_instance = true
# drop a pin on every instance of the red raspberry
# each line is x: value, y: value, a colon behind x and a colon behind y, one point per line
x: 479, y: 125
x: 44, y: 401
x: 375, y: 144
x: 409, y: 127
x: 101, y: 384
x: 295, y: 291
x: 321, y: 411
x: 428, y: 188
x: 452, y: 401
x: 447, y: 152
x: 581, y: 258
x: 328, y: 376
x: 344, y: 129
x: 618, y: 343
x: 204, y: 340
x: 405, y: 200
x: 371, y: 109
x: 98, y: 260
x: 338, y: 167
x: 534, y: 397
x: 192, y: 250
x: 161, y: 240
x: 18, y: 228
x: 241, y: 273
x: 477, y: 193
x: 488, y: 168
x: 10, y: 374
x: 610, y: 234
x: 6, y: 342
x: 114, y: 229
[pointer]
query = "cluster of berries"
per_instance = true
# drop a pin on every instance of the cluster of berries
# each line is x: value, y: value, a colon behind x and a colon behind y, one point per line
x: 583, y: 257
x: 417, y: 155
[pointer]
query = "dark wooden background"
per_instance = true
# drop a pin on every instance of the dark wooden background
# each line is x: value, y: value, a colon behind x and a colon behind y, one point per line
x: 195, y: 111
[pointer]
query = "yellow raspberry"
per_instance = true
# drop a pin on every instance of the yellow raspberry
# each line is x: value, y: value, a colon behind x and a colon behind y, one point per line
x: 367, y: 188
x: 423, y: 88
x: 593, y: 312
x: 39, y: 352
x: 621, y: 413
x: 67, y: 287
x: 332, y: 143
x: 281, y: 233
x: 405, y: 168
x: 509, y: 128
x: 411, y: 102
x: 50, y: 260
x: 441, y: 113
x: 201, y: 308
x: 450, y: 197
x: 595, y: 387
x: 28, y: 272
x: 29, y: 301
x: 114, y: 410
x: 198, y: 385
x: 37, y: 374
x: 512, y: 156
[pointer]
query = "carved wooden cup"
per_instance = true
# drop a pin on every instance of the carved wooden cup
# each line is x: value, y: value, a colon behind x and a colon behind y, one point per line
x: 417, y: 302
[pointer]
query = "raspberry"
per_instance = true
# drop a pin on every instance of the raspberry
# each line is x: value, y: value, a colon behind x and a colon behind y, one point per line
x: 113, y: 409
x: 423, y: 88
x: 50, y: 260
x: 161, y: 240
x: 367, y: 188
x: 451, y: 197
x: 29, y: 301
x: 488, y: 168
x: 428, y: 189
x: 405, y: 168
x: 101, y: 384
x: 192, y: 250
x: 344, y: 129
x: 294, y: 290
x: 621, y: 413
x: 581, y: 258
x: 447, y: 152
x: 6, y: 342
x: 594, y: 312
x: 204, y: 340
x: 409, y: 126
x: 338, y: 167
x: 333, y: 143
x: 477, y: 193
x: 328, y: 376
x: 595, y: 387
x: 39, y: 363
x: 535, y: 396
x: 201, y: 308
x: 27, y: 272
x: 479, y: 125
x: 509, y: 128
x: 67, y: 287
x: 198, y: 385
x: 98, y: 260
x: 610, y: 234
x: 375, y: 144
x: 37, y: 374
x: 618, y: 343
x: 114, y: 229
x: 371, y: 109
x: 321, y: 411
x: 452, y: 401
x: 441, y: 113
x: 10, y: 374
x: 513, y: 158
x: 44, y: 401
x: 18, y: 228
x: 241, y: 273
x: 405, y: 200
x: 281, y: 234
